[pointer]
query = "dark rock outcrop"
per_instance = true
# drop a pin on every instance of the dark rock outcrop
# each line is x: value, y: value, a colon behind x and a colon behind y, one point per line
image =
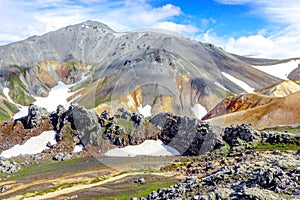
x: 189, y: 136
x: 36, y: 115
x: 18, y: 131
x: 236, y: 135
x: 84, y: 122
x: 295, y: 74
x: 127, y: 128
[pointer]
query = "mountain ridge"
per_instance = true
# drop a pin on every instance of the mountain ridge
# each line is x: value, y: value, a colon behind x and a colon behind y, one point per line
x: 173, y: 73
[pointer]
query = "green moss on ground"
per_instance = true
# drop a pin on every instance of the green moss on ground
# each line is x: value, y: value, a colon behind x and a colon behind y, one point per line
x: 281, y: 147
x: 18, y: 91
x: 13, y: 108
x: 139, y: 191
x: 285, y: 129
x: 4, y: 115
x: 126, y: 124
x: 67, y: 134
x: 45, y: 168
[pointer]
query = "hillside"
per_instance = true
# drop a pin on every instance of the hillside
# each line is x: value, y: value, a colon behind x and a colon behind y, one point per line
x: 262, y: 112
x: 130, y: 69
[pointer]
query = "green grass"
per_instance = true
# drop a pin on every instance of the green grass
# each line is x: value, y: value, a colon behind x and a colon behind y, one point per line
x: 223, y: 150
x: 71, y: 64
x: 4, y: 115
x: 18, y: 91
x: 271, y: 147
x: 285, y: 129
x: 13, y: 108
x: 127, y: 124
x: 140, y: 191
x: 54, y: 167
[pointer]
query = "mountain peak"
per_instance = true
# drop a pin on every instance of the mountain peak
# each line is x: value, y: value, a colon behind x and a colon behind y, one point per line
x: 94, y: 24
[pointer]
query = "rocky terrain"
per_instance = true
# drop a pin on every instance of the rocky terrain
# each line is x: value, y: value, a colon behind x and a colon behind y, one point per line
x: 235, y: 127
x: 273, y: 175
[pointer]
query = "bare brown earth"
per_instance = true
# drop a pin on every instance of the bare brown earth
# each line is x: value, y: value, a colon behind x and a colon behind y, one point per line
x: 260, y: 111
x: 234, y: 104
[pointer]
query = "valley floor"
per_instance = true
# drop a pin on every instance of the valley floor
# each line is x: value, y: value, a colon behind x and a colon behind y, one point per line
x: 169, y: 177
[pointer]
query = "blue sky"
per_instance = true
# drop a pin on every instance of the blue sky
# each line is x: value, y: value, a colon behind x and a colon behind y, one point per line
x: 261, y: 28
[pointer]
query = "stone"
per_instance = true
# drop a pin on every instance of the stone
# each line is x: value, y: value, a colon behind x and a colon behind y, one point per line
x: 59, y: 156
x: 298, y: 152
x: 35, y: 115
x: 85, y: 123
x: 140, y: 180
x: 4, y: 188
x: 187, y: 135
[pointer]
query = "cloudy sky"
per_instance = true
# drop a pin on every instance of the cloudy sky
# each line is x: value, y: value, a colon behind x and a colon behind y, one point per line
x: 265, y: 28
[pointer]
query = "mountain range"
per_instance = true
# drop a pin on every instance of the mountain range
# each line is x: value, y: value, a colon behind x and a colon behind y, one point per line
x: 106, y: 70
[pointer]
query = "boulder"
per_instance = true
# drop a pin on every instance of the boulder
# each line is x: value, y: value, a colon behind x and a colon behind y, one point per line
x: 61, y: 156
x: 4, y: 188
x: 85, y: 123
x: 187, y: 135
x: 233, y: 135
x: 35, y: 116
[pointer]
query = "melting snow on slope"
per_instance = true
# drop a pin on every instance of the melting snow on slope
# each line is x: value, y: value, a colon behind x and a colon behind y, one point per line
x: 221, y: 86
x: 145, y: 111
x: 23, y: 110
x: 280, y: 70
x: 148, y: 147
x: 6, y: 92
x: 32, y: 146
x: 57, y: 95
x: 238, y: 82
x: 199, y: 110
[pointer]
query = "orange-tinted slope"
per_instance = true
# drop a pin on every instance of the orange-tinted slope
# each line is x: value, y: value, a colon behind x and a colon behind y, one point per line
x: 276, y: 111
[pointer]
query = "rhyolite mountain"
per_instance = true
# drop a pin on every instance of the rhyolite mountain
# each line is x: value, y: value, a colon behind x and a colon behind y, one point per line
x: 130, y: 69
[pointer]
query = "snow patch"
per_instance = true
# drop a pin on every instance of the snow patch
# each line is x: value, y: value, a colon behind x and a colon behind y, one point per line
x: 57, y: 96
x: 199, y: 110
x: 22, y: 112
x: 147, y: 148
x: 32, y: 146
x: 6, y: 93
x: 221, y: 86
x: 145, y: 111
x: 118, y: 35
x: 238, y: 82
x: 78, y: 148
x: 280, y: 70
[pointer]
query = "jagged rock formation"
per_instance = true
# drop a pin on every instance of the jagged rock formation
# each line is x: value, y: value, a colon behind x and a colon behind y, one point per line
x: 188, y: 136
x: 18, y: 131
x: 36, y: 115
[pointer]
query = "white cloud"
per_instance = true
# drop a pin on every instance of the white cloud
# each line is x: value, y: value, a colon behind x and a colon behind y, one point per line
x: 21, y: 19
x: 282, y: 42
x: 281, y: 46
x: 179, y: 28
